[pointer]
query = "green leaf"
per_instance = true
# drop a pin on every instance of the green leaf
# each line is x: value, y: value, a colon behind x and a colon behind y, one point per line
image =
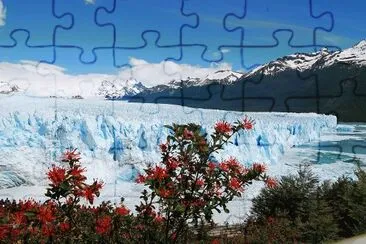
x: 64, y: 185
x: 29, y: 214
x: 179, y: 208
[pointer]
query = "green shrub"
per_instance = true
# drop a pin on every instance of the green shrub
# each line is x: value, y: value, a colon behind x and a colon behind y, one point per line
x: 301, y: 209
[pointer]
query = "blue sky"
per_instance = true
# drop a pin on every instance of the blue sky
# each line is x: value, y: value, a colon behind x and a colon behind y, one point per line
x: 99, y: 36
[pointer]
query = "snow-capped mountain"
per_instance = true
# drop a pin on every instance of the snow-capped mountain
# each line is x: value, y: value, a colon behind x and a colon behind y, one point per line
x: 47, y: 80
x: 7, y: 88
x: 331, y: 82
x: 120, y: 88
x: 221, y: 76
x: 355, y: 55
x: 224, y: 77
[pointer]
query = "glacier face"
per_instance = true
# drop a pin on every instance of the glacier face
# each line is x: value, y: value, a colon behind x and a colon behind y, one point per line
x: 118, y: 139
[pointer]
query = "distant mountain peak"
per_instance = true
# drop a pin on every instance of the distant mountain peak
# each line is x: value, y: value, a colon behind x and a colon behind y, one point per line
x: 306, y: 61
x: 6, y: 88
x: 361, y: 45
x: 220, y: 76
x: 120, y: 88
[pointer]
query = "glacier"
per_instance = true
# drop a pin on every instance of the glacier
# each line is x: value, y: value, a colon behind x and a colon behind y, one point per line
x: 118, y: 139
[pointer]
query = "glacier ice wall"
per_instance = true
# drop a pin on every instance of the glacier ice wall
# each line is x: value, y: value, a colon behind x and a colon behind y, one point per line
x: 118, y: 139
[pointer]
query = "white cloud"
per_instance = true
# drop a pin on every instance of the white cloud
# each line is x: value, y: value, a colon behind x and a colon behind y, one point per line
x: 151, y: 74
x: 37, y: 79
x: 89, y: 1
x: 225, y: 50
x: 46, y: 79
x: 2, y: 13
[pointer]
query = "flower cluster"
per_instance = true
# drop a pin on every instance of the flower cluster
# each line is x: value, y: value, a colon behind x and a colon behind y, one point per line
x: 27, y: 217
x: 69, y: 183
x: 61, y: 218
x: 186, y: 186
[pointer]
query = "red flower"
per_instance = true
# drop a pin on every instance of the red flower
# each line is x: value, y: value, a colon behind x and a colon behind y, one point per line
x: 224, y: 166
x: 163, y: 147
x: 77, y: 171
x: 140, y: 179
x: 19, y: 218
x: 211, y: 166
x: 159, y: 218
x: 56, y: 175
x: 165, y: 193
x: 88, y: 193
x: 97, y: 186
x: 172, y: 163
x: 187, y: 134
x: 71, y: 156
x: 15, y: 233
x: 247, y: 123
x: 200, y: 182
x: 27, y: 205
x: 123, y: 211
x: 235, y: 184
x: 232, y: 162
x: 260, y: 168
x: 270, y: 182
x: 4, y: 231
x: 215, y: 241
x: 45, y: 214
x: 159, y: 173
x: 197, y: 203
x: 223, y: 127
x: 64, y: 226
x: 103, y: 225
x: 47, y: 230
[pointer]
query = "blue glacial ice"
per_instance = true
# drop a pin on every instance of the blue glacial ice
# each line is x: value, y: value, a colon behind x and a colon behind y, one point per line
x: 117, y: 139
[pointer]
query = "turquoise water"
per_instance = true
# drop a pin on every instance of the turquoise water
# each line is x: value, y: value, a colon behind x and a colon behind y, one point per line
x: 346, y: 144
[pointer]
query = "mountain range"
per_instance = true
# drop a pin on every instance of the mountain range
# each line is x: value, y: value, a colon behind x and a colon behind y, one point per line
x: 330, y: 82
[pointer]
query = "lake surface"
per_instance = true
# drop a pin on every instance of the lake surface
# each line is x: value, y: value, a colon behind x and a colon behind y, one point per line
x: 334, y: 153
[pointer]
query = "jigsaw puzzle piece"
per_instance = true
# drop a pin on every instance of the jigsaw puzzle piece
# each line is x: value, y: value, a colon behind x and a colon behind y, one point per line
x: 272, y: 91
x: 21, y: 50
x: 79, y: 37
x: 151, y: 49
x: 343, y: 24
x: 28, y: 41
x: 130, y: 22
x: 186, y: 75
x: 210, y: 20
x: 345, y: 105
x: 72, y: 58
x: 360, y: 79
x: 264, y: 17
x: 282, y: 43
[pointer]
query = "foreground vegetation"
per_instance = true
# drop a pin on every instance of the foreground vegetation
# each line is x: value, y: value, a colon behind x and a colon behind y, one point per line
x: 301, y: 209
x: 182, y: 192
